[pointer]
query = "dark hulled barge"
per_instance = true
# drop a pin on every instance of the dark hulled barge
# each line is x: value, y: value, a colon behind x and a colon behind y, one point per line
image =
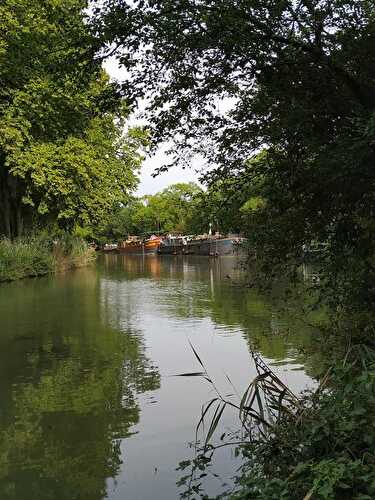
x: 213, y: 246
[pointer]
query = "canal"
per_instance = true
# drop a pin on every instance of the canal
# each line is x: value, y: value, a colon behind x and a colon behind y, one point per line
x: 91, y: 406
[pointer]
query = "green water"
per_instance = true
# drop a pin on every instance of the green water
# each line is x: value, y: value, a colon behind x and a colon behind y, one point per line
x: 90, y: 405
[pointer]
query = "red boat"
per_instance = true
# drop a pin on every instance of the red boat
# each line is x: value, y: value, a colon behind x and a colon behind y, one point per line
x: 140, y: 247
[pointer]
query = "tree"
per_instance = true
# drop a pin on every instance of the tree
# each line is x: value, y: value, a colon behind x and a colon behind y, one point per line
x: 80, y: 180
x: 169, y: 210
x: 300, y: 79
x: 171, y: 207
x: 62, y: 157
x: 223, y: 205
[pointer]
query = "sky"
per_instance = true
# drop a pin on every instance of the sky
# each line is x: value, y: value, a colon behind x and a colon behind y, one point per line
x: 149, y: 184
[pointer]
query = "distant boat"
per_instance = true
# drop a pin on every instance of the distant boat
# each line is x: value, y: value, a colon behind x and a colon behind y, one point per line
x: 139, y: 247
x: 209, y: 246
x: 173, y: 245
x: 109, y: 248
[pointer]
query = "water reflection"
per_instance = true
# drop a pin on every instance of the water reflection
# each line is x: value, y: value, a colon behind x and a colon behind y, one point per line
x: 90, y: 408
x: 68, y: 389
x: 192, y: 287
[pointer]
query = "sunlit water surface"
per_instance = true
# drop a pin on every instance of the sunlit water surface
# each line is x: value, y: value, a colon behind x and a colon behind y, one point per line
x: 91, y: 406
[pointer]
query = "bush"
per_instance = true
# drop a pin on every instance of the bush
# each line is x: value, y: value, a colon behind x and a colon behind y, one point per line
x: 39, y: 255
x: 25, y: 257
x: 328, y: 453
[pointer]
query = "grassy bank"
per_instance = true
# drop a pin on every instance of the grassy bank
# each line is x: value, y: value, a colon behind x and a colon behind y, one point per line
x: 40, y: 255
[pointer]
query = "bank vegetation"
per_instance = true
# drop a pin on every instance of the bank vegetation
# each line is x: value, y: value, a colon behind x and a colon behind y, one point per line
x: 40, y: 255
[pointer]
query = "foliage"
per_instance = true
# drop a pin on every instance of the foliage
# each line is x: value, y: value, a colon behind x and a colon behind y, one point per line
x: 169, y: 210
x: 182, y: 208
x: 41, y: 254
x: 329, y: 452
x: 62, y: 153
x: 171, y: 207
x: 228, y: 203
x: 25, y: 257
x: 80, y: 180
x: 298, y: 80
x: 320, y: 445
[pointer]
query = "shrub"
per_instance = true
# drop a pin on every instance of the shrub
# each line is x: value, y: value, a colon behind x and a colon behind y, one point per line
x: 39, y: 255
x: 328, y: 452
x: 25, y: 257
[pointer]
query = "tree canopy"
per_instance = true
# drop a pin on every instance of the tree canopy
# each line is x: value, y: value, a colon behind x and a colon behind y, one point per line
x: 170, y: 210
x: 63, y: 156
x: 298, y: 79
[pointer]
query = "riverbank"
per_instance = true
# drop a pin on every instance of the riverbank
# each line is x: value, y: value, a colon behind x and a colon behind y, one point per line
x: 326, y: 449
x: 316, y: 445
x: 38, y: 255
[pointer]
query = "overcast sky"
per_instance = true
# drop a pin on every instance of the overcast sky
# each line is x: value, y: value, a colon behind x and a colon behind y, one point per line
x: 149, y: 184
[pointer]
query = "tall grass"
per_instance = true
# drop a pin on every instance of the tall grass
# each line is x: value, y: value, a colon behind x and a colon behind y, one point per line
x: 319, y: 445
x: 71, y: 252
x: 25, y: 257
x: 40, y: 255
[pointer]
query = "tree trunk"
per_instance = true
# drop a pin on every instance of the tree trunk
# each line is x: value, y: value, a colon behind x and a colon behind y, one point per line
x: 6, y: 217
x: 19, y: 220
x: 5, y: 211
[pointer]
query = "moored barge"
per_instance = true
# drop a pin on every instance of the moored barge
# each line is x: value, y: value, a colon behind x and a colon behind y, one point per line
x: 139, y: 247
x: 209, y: 246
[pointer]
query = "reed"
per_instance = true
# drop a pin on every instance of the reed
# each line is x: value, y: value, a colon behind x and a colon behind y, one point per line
x: 317, y: 445
x: 70, y: 252
x: 25, y: 257
x: 261, y: 407
x: 39, y: 255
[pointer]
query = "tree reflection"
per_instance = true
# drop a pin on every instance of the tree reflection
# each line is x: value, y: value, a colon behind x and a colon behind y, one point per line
x: 69, y: 384
x: 216, y: 288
